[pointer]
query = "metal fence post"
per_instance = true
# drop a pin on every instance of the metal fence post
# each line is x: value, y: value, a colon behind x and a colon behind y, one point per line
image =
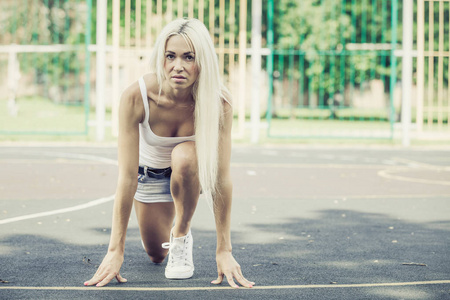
x: 256, y: 69
x: 270, y: 37
x: 100, y: 66
x: 87, y: 65
x: 115, y: 68
x: 407, y: 70
x: 393, y: 75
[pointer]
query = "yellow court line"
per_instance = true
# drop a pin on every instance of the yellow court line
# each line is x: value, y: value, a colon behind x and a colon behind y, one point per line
x: 381, y: 196
x: 212, y: 288
x: 421, y: 165
x: 386, y: 174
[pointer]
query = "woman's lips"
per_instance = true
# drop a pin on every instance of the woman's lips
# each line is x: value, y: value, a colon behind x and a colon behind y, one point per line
x: 178, y: 78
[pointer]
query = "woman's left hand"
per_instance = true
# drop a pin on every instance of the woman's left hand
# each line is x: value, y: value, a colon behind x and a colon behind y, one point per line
x: 228, y: 266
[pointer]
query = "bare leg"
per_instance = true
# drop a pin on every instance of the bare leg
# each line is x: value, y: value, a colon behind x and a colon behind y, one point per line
x: 184, y: 186
x: 155, y: 222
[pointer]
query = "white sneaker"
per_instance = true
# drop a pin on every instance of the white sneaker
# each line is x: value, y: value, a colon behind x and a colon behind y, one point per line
x: 180, y: 264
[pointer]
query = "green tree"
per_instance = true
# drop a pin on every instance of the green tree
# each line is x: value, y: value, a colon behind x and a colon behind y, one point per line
x: 328, y: 33
x: 324, y: 31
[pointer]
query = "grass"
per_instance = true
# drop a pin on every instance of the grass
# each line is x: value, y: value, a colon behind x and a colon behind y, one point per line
x: 40, y: 120
x: 342, y: 113
x: 329, y: 128
x: 295, y: 131
x: 40, y: 115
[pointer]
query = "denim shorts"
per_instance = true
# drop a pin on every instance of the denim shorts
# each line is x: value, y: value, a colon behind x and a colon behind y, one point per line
x: 152, y: 190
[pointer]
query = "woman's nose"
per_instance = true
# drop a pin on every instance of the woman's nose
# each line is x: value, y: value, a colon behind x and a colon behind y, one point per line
x: 178, y: 65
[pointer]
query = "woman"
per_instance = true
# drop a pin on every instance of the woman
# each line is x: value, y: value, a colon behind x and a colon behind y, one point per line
x: 175, y: 127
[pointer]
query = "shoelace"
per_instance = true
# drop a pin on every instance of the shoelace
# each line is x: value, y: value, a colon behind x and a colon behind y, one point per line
x: 181, y: 257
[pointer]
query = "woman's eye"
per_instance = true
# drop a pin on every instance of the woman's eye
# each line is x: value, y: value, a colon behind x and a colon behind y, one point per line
x: 170, y: 56
x: 190, y: 58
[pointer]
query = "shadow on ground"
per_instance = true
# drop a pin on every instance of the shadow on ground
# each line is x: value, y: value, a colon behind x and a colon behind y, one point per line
x: 337, y: 247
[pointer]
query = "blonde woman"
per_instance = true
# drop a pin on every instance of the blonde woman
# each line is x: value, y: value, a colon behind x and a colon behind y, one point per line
x: 175, y: 128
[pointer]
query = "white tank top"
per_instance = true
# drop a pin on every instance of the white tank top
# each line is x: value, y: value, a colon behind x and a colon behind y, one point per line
x: 155, y: 151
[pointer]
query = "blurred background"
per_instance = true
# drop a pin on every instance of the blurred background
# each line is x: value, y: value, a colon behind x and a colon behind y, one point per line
x: 312, y: 70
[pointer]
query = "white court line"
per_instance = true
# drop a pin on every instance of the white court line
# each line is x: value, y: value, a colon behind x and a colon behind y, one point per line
x: 382, y: 173
x: 65, y: 155
x: 82, y: 156
x: 73, y: 208
x: 114, y: 162
x: 60, y: 161
x: 216, y: 288
x: 58, y: 211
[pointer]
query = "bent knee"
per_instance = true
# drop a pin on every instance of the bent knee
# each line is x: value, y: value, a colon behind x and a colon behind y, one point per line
x: 156, y: 257
x: 184, y: 158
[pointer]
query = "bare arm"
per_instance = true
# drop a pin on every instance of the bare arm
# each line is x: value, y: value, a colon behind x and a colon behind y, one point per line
x: 130, y: 114
x: 226, y: 264
x: 223, y: 199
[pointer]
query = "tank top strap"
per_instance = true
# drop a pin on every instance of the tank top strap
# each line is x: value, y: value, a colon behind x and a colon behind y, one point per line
x: 144, y: 99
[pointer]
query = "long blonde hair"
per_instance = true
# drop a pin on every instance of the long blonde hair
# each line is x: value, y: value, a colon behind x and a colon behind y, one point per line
x: 208, y: 92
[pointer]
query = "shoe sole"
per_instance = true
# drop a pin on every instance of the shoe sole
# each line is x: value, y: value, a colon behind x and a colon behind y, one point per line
x: 180, y: 276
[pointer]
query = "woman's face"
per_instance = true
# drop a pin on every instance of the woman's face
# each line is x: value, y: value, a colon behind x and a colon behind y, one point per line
x: 179, y: 63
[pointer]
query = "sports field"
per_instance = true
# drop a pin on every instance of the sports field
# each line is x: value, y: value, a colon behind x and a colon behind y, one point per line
x: 308, y: 222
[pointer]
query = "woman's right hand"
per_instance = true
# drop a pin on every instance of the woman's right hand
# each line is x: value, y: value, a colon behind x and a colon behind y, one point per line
x: 109, y: 268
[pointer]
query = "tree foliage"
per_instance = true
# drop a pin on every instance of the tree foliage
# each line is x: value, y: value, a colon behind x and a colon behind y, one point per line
x: 319, y: 30
x: 325, y: 31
